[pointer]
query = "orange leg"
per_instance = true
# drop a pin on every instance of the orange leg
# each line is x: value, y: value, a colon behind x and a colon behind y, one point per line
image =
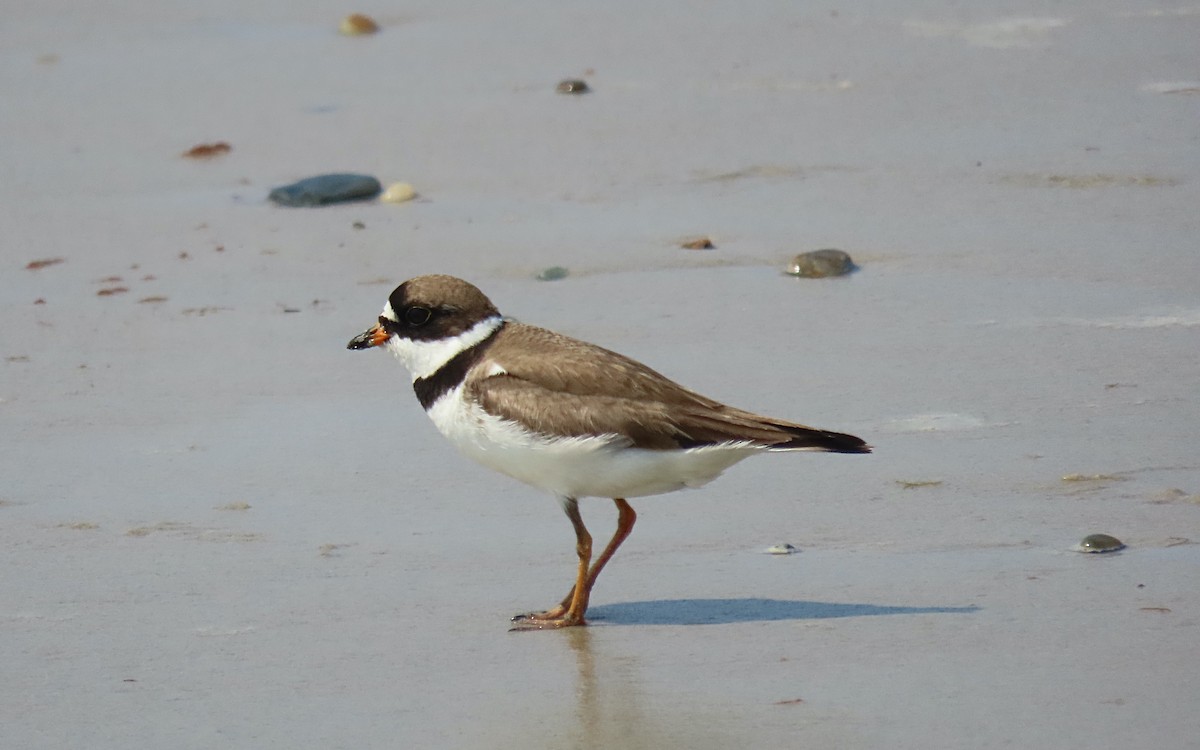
x: 573, y: 607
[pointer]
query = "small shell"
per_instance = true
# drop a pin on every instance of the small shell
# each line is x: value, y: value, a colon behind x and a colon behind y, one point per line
x: 781, y: 549
x: 356, y: 24
x: 398, y: 192
x: 1099, y: 543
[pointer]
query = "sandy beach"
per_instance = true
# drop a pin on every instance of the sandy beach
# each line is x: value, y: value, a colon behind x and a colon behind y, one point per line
x: 219, y: 528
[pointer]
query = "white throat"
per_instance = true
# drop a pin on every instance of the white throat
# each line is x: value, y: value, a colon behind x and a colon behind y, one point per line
x: 424, y: 358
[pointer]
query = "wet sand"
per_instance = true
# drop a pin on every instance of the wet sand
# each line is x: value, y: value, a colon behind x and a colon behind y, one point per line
x: 220, y: 528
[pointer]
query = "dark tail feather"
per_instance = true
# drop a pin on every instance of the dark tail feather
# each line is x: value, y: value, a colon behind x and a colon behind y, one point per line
x: 806, y: 438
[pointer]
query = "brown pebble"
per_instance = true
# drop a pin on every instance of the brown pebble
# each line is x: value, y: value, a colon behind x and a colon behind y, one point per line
x: 34, y: 265
x: 356, y: 24
x: 700, y: 243
x: 151, y: 300
x: 207, y: 150
x: 110, y: 291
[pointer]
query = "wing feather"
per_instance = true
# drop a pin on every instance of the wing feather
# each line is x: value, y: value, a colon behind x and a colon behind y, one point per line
x: 570, y: 391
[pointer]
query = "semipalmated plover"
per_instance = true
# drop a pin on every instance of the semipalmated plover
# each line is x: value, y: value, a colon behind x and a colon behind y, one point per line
x: 566, y: 416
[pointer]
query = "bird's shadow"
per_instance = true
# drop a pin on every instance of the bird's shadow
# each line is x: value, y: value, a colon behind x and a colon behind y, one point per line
x: 726, y: 611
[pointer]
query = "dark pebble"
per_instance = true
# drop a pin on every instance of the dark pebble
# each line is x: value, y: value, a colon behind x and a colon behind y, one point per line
x: 821, y: 263
x: 553, y: 273
x: 572, y: 86
x: 1100, y: 543
x: 327, y: 188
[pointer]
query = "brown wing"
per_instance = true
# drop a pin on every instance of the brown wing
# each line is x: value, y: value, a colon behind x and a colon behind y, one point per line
x: 566, y: 365
x: 570, y: 387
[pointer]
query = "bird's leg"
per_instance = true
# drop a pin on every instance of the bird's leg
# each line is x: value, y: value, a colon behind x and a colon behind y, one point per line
x: 572, y: 609
x: 625, y: 520
x: 626, y: 517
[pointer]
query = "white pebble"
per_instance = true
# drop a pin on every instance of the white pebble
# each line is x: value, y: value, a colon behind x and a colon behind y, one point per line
x: 398, y: 192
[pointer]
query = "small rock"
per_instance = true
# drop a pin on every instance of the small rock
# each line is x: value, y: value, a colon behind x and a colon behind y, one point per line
x: 398, y: 192
x: 553, y: 273
x: 699, y: 243
x: 820, y: 264
x: 207, y: 150
x: 572, y: 86
x: 1099, y: 543
x: 781, y: 549
x: 34, y: 265
x: 327, y: 188
x: 356, y: 24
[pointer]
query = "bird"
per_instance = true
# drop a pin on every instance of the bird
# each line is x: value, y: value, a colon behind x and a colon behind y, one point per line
x: 567, y: 417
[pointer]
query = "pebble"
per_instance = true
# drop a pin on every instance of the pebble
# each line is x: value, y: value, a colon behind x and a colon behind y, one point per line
x: 820, y: 264
x: 34, y: 265
x: 781, y: 549
x: 698, y: 243
x: 572, y: 86
x: 327, y: 188
x: 553, y: 273
x: 1098, y: 543
x: 207, y: 150
x: 398, y: 192
x: 356, y: 24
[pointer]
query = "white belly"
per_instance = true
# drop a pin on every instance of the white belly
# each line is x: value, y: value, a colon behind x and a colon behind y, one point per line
x: 577, y: 467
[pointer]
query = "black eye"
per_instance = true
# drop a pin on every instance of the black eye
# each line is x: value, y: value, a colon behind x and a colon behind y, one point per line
x: 417, y: 316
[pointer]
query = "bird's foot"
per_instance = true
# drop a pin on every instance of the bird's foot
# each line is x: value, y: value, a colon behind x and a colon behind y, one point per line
x: 551, y: 619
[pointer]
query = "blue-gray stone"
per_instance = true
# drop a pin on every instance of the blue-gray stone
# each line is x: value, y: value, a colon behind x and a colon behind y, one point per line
x: 327, y: 188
